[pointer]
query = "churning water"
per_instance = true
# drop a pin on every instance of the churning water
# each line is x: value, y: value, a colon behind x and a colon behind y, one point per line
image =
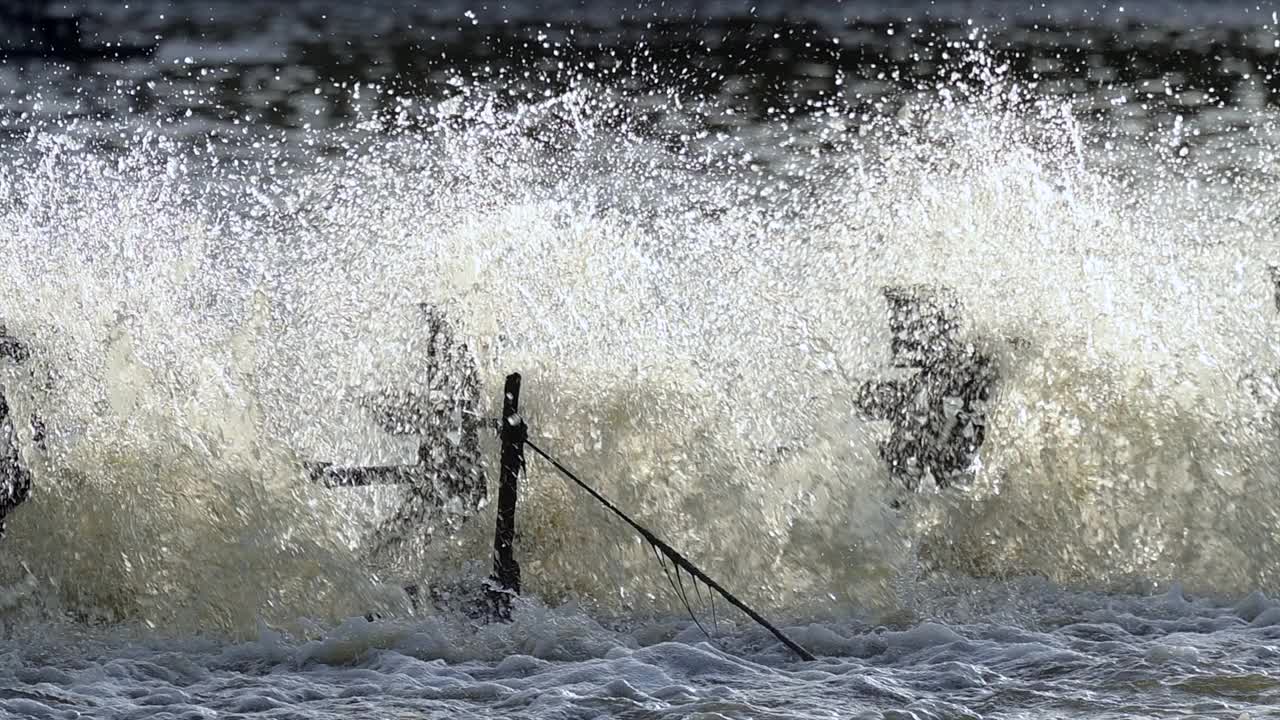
x: 678, y: 231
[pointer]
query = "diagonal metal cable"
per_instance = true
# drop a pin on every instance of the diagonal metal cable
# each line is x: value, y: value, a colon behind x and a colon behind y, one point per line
x: 679, y: 560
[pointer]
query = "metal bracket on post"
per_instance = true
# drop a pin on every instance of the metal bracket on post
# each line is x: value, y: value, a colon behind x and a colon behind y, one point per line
x: 506, y: 571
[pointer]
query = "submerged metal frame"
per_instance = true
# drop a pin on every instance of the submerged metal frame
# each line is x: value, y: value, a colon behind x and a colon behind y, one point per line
x: 937, y: 412
x: 15, y: 477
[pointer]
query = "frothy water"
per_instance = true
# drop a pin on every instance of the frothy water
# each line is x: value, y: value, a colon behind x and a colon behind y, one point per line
x: 692, y: 325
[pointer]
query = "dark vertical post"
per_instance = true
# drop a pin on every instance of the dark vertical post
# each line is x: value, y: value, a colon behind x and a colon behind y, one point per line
x: 506, y: 571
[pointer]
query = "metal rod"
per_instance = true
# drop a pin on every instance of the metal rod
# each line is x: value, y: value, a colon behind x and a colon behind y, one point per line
x: 513, y: 433
x: 344, y: 476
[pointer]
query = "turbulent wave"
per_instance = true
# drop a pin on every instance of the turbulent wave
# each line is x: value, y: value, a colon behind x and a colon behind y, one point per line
x: 691, y: 328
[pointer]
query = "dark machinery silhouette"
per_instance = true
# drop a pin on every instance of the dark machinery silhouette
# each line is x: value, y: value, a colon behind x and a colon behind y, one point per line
x: 938, y: 413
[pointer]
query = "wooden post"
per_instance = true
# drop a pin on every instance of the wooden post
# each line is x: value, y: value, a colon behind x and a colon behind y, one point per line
x: 506, y: 571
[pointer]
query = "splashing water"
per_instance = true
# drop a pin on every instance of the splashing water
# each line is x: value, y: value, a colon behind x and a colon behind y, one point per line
x: 691, y: 329
x: 216, y: 267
